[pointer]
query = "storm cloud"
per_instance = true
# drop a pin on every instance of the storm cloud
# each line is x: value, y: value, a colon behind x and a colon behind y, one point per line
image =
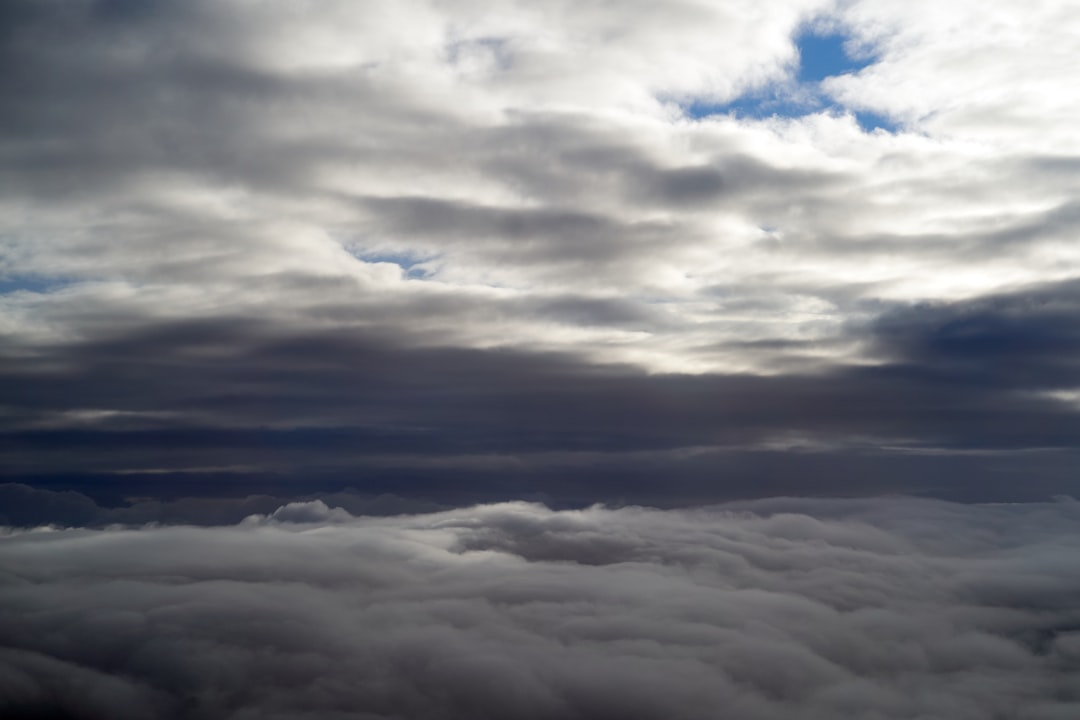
x: 887, y: 608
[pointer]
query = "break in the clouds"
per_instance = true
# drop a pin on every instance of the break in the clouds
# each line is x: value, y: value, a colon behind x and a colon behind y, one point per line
x: 774, y: 609
x: 539, y: 249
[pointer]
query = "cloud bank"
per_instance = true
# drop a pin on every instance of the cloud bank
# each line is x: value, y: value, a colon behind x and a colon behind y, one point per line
x: 883, y: 608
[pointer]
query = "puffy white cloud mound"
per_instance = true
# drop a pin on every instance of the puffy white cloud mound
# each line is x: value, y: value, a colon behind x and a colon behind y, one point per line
x: 884, y: 608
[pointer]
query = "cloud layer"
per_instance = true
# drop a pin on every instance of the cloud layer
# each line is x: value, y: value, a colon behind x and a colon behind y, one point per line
x: 885, y: 608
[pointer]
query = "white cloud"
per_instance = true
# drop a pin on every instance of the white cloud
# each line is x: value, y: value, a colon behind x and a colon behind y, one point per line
x: 997, y: 74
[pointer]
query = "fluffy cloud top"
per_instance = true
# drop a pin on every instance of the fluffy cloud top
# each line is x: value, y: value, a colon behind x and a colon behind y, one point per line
x: 817, y: 609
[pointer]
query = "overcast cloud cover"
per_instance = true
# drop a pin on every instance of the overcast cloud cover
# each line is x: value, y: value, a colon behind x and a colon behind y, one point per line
x: 467, y: 251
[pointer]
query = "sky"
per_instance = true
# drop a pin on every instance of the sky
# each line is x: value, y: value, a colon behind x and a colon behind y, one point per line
x: 444, y: 359
x: 565, y: 252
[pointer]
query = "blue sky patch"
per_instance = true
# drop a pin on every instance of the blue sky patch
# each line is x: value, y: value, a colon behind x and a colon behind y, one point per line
x: 820, y: 57
x: 31, y: 283
x: 870, y: 121
x: 410, y: 264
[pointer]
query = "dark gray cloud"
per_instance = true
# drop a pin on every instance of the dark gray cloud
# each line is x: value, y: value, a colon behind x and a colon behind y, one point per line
x: 1025, y: 340
x: 886, y: 608
x: 974, y: 387
x: 26, y: 506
